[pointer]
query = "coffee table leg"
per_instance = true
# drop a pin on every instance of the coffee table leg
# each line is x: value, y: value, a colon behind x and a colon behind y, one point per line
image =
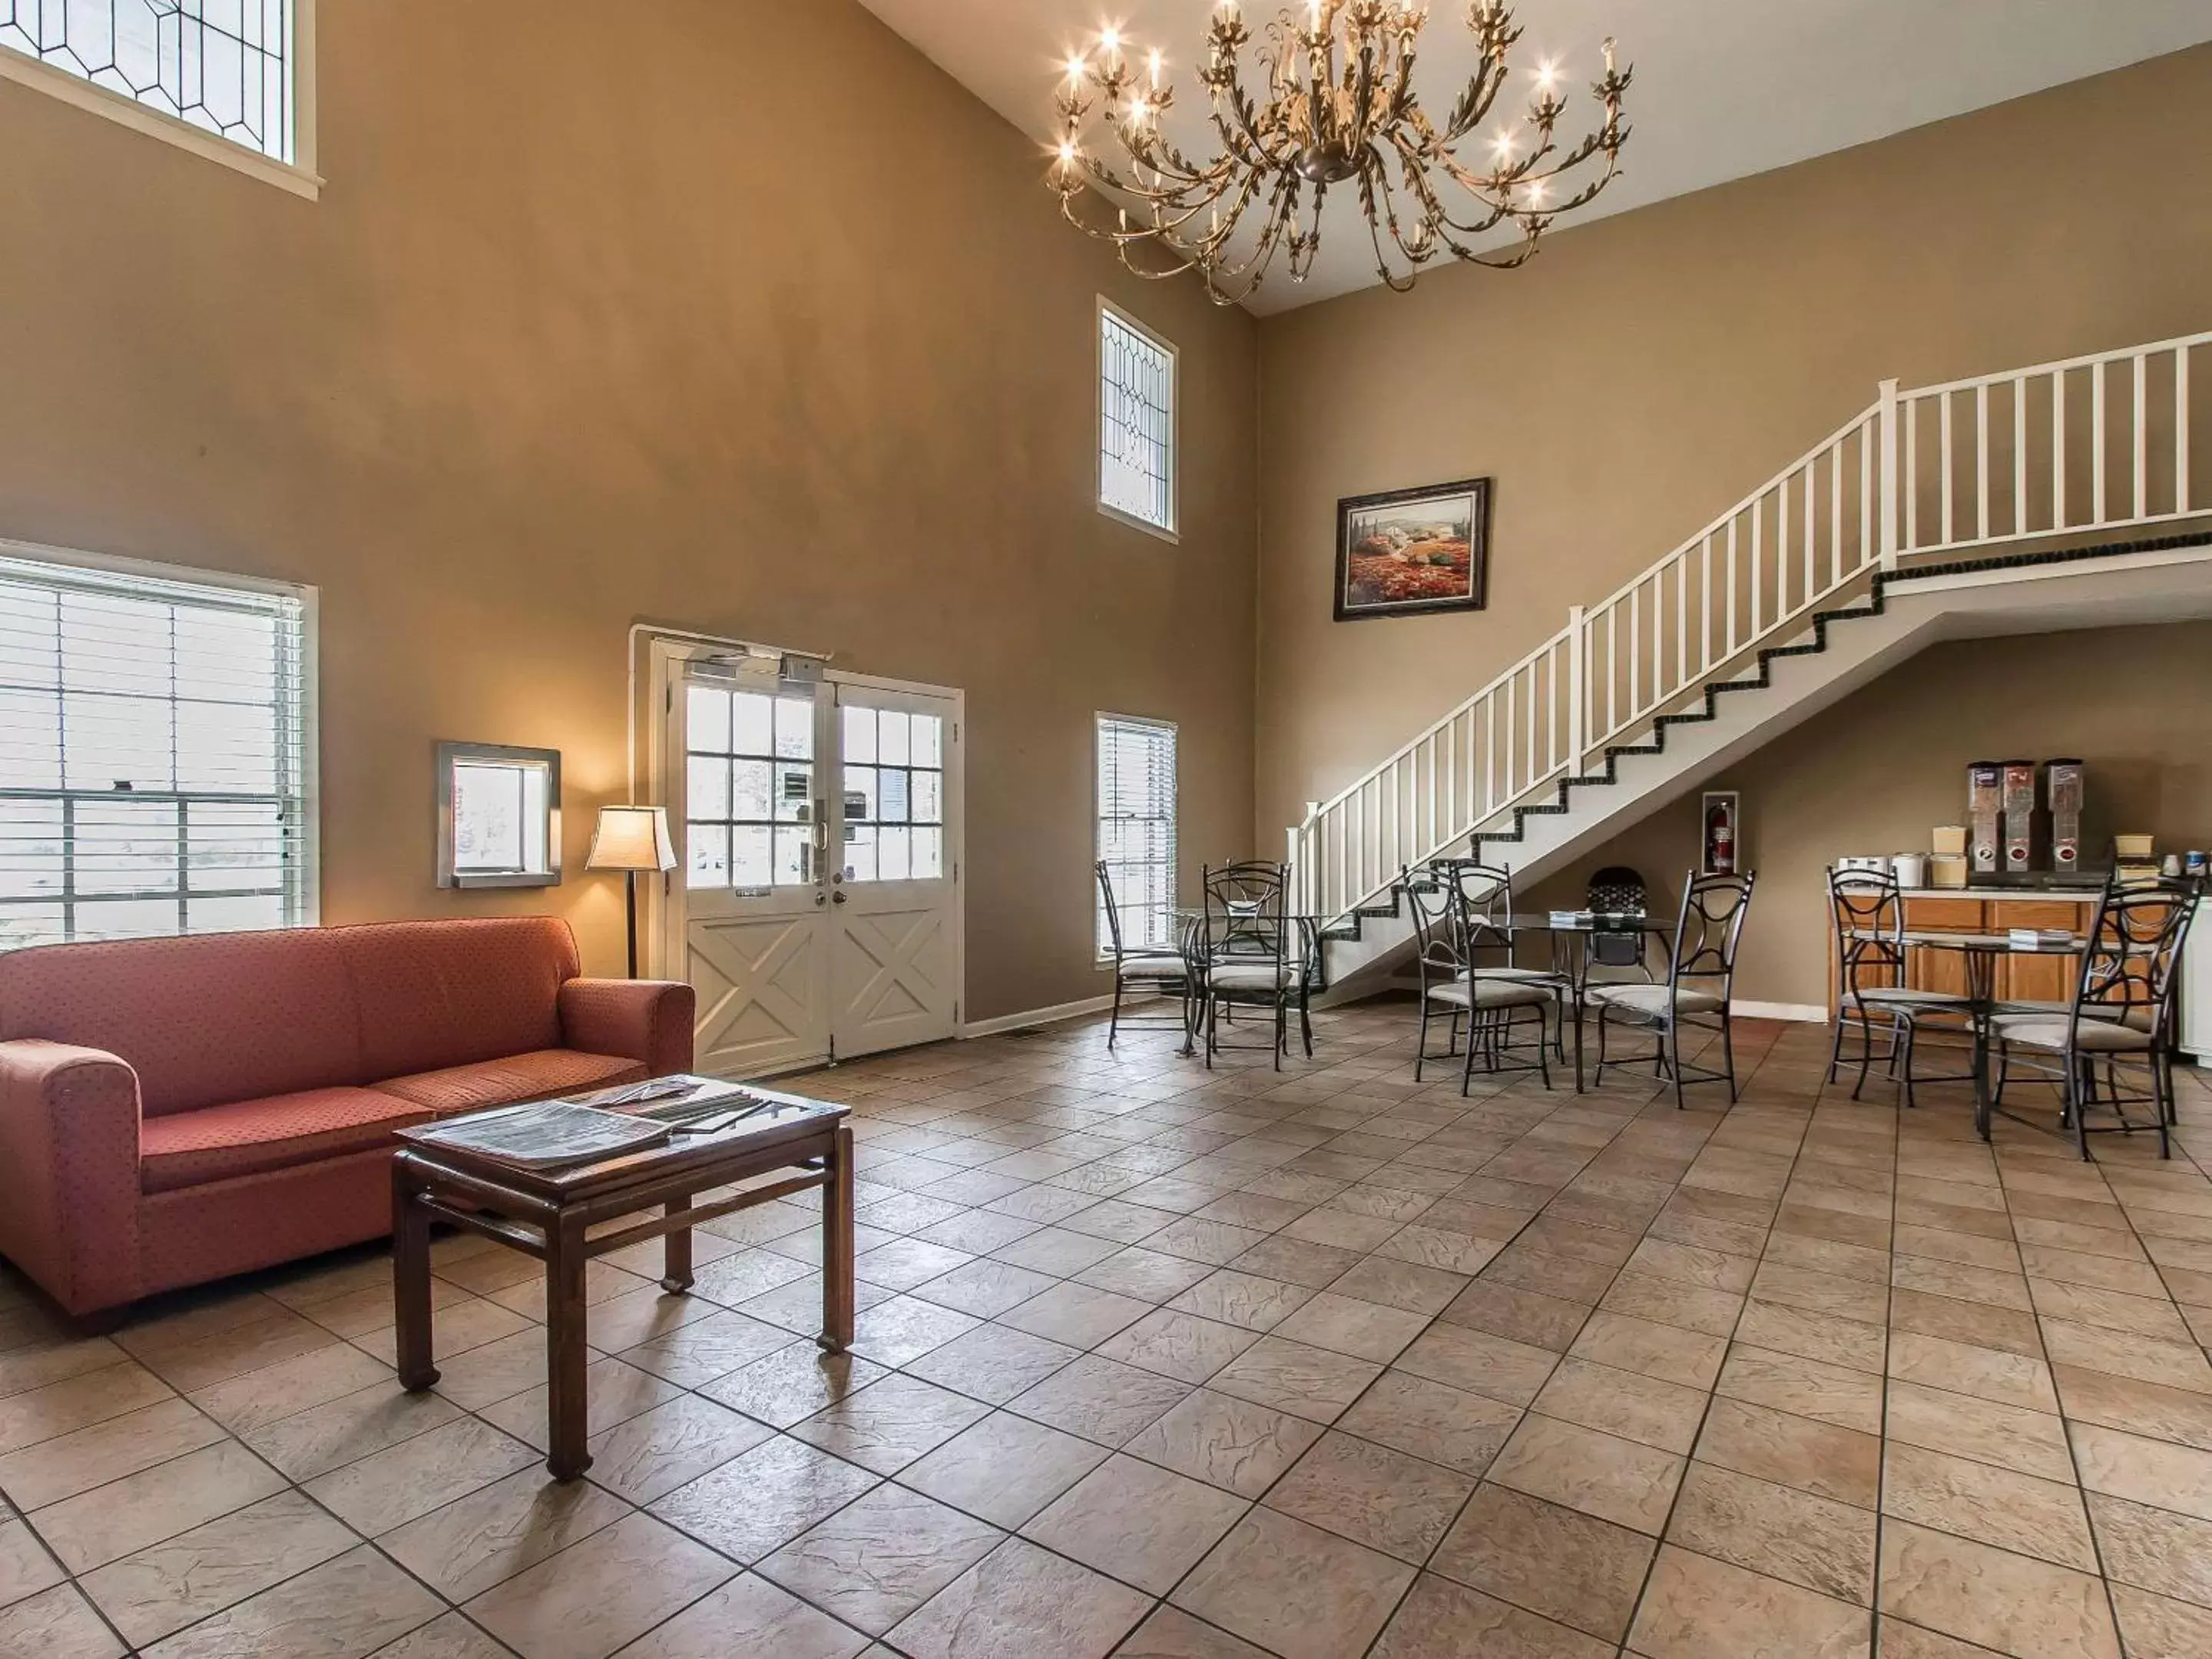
x: 676, y: 1264
x: 567, y: 1410
x: 410, y: 1280
x: 837, y: 1246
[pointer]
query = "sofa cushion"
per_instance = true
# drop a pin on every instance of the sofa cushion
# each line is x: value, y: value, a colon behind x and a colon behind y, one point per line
x: 203, y: 1020
x: 435, y: 995
x: 251, y: 1137
x: 536, y: 1076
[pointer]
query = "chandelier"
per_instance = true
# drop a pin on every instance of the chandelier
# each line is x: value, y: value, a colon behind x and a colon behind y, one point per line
x: 1340, y: 110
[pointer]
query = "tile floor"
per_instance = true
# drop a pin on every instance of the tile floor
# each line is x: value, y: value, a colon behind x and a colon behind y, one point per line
x: 1156, y: 1362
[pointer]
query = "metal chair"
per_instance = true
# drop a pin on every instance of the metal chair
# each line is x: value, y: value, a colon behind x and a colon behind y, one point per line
x: 2123, y: 1011
x: 1484, y: 1011
x: 1160, y: 968
x: 1867, y: 913
x: 1251, y: 954
x: 1699, y: 988
x: 1485, y: 892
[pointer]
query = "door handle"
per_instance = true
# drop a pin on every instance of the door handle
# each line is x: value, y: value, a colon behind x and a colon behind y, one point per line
x: 838, y: 898
x: 821, y: 897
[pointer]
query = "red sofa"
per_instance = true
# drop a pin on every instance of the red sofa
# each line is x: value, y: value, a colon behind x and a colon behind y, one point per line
x: 176, y: 1110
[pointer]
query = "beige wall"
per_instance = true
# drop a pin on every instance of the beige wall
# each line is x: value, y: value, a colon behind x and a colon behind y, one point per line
x: 1647, y: 370
x: 754, y: 323
x: 1876, y: 772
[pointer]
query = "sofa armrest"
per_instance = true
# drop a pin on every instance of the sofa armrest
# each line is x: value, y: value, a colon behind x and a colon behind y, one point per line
x: 69, y: 1169
x: 641, y: 1020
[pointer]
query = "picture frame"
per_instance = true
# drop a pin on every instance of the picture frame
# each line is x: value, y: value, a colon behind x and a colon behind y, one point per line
x: 1410, y: 552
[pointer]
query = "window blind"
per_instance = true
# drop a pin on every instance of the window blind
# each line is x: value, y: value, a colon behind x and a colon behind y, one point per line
x: 153, y: 756
x: 1137, y: 828
x: 1136, y: 423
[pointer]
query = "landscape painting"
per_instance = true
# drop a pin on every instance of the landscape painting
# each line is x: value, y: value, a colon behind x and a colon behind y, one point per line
x: 1414, y: 551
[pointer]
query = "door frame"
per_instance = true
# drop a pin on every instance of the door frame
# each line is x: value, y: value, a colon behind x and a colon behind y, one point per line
x: 662, y: 911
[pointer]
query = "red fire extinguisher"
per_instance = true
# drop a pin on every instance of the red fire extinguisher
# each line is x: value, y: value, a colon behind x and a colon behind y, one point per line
x: 1719, y: 834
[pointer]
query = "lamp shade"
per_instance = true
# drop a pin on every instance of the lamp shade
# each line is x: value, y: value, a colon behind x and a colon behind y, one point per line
x: 631, y: 838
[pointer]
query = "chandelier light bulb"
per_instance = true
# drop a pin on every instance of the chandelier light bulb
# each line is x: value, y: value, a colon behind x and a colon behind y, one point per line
x: 1153, y: 63
x: 1548, y: 75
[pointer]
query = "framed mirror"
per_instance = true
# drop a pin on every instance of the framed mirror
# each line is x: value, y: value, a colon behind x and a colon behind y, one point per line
x: 499, y: 815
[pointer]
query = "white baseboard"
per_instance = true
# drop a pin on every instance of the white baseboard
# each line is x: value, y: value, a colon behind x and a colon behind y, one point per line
x: 1810, y: 1013
x: 982, y: 1028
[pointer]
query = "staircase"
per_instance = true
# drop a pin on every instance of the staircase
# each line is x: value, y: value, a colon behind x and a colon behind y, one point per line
x: 2071, y: 494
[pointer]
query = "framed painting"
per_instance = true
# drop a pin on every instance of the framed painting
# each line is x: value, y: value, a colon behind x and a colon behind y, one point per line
x: 1414, y: 551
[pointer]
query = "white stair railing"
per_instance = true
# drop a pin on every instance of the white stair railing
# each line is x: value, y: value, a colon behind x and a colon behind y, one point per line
x: 2095, y: 443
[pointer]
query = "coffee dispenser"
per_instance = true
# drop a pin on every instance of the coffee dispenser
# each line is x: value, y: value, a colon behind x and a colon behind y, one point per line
x: 2063, y: 788
x: 1985, y: 811
x: 2018, y: 817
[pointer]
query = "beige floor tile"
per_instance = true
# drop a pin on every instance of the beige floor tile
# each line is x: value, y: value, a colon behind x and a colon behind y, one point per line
x: 1178, y: 1345
x: 1805, y: 1387
x: 478, y: 1541
x: 2154, y: 1549
x: 1572, y: 1567
x: 323, y: 1437
x: 1666, y: 1352
x: 1637, y: 1408
x: 985, y: 1288
x: 1019, y: 1600
x: 1524, y: 1316
x: 26, y: 1567
x: 1226, y: 1441
x: 762, y: 1499
x: 343, y: 1609
x: 1698, y: 1608
x: 1999, y: 1290
x: 1898, y: 1640
x: 1385, y: 1499
x: 55, y: 1359
x: 189, y: 1367
x: 1081, y: 1316
x: 315, y: 1378
x: 2012, y: 1603
x: 614, y: 1392
x: 1432, y: 1420
x: 906, y: 1328
x: 992, y: 1363
x: 601, y: 1592
x: 1479, y: 1363
x: 2010, y: 1436
x: 389, y: 1488
x: 494, y: 1371
x: 1815, y: 1292
x: 1599, y: 1474
x: 2156, y: 1627
x: 1817, y: 1457
x: 2010, y: 1379
x: 2177, y: 1478
x: 1779, y: 1531
x: 1440, y: 1620
x: 1005, y: 1468
x: 1100, y: 1399
x: 56, y: 1468
x: 2141, y: 1316
x: 1303, y: 1592
x: 749, y: 1618
x: 1241, y: 1299
x: 77, y: 1402
x: 1824, y: 1337
x: 1292, y: 1376
x: 889, y: 1424
x: 1171, y: 1633
x: 1711, y: 1270
x: 2015, y: 1511
x: 457, y: 1327
x: 111, y: 1521
x: 1349, y: 1325
x: 1403, y: 1285
x: 56, y: 1624
x: 700, y: 1350
x: 793, y: 1383
x: 1672, y: 1302
x: 2170, y: 1364
x: 881, y: 1556
x: 1148, y: 1275
x: 1145, y: 1525
x: 163, y: 1587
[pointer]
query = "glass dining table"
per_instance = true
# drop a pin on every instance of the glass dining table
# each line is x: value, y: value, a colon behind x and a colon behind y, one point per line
x: 1574, y: 935
x: 1980, y: 954
x: 1189, y: 921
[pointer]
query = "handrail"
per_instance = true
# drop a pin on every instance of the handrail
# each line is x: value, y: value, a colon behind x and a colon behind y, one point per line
x: 1865, y: 495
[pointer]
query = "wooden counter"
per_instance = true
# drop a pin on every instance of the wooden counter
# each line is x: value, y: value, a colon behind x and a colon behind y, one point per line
x: 2041, y: 978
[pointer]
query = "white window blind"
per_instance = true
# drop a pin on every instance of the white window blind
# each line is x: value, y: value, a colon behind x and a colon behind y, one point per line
x: 153, y: 756
x: 1137, y: 828
x: 225, y: 66
x: 1136, y: 423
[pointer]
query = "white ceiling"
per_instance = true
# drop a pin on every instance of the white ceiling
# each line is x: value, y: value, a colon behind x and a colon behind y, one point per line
x: 1723, y: 87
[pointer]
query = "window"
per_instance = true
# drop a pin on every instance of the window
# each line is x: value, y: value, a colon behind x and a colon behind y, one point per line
x: 1136, y: 424
x: 229, y: 71
x: 749, y: 788
x: 155, y: 749
x: 499, y: 815
x: 894, y: 795
x: 1137, y: 829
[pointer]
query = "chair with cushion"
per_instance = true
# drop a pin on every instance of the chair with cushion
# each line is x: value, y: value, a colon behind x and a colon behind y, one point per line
x: 1482, y: 1012
x: 1867, y: 911
x: 1155, y: 966
x: 176, y: 1110
x: 2121, y: 1021
x: 1699, y: 988
x: 1251, y: 954
x: 1490, y: 940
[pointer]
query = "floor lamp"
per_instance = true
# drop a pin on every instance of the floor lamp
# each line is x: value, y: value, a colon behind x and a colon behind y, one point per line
x: 632, y: 840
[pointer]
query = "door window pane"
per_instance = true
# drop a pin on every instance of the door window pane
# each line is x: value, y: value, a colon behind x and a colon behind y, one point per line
x: 892, y: 741
x: 752, y: 715
x: 793, y: 860
x: 892, y: 855
x: 893, y: 809
x: 706, y: 789
x: 928, y: 854
x: 859, y: 735
x: 706, y: 719
x: 927, y: 746
x: 709, y: 845
x: 794, y: 728
x: 749, y: 864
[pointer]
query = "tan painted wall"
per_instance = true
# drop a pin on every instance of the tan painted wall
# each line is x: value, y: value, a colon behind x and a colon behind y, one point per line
x: 1647, y: 370
x: 753, y: 322
x: 1876, y: 772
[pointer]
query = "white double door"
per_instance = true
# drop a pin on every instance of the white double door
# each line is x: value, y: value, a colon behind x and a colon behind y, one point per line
x: 818, y: 824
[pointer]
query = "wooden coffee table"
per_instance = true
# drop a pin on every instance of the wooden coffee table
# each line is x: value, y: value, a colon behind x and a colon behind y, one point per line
x: 551, y: 1214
